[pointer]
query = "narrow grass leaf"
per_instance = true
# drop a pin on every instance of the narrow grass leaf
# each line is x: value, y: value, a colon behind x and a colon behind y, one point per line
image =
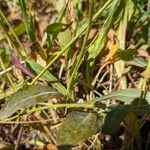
x: 47, y: 76
x: 26, y: 98
x: 28, y: 20
x: 100, y: 41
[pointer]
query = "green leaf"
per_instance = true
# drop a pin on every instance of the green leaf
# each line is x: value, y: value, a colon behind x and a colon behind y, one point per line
x: 77, y: 127
x: 55, y: 28
x: 116, y: 116
x: 64, y: 38
x: 102, y: 35
x: 28, y: 20
x: 18, y: 30
x: 140, y: 62
x: 5, y: 56
x: 47, y: 76
x: 127, y: 96
x: 127, y: 54
x: 26, y: 98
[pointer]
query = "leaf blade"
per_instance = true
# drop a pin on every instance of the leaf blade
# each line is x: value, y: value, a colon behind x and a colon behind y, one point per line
x: 77, y: 127
x: 26, y: 98
x: 117, y: 115
x: 126, y: 96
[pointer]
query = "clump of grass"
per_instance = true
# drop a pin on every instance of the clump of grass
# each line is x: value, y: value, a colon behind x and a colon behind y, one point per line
x: 92, y: 56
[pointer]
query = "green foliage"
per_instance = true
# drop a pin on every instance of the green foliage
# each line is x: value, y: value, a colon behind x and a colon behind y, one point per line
x: 5, y: 55
x: 47, y: 76
x: 26, y: 98
x: 28, y: 21
x: 139, y: 62
x: 78, y: 126
x: 73, y: 43
x: 127, y: 96
x: 54, y: 29
x: 118, y: 114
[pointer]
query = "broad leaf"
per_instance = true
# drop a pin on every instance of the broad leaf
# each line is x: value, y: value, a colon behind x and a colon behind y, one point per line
x: 77, y: 127
x: 127, y: 96
x: 53, y: 30
x: 64, y: 38
x: 26, y: 98
x: 117, y: 115
x: 47, y: 76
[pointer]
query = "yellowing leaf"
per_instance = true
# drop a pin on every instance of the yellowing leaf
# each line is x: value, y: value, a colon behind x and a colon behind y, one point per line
x: 113, y: 47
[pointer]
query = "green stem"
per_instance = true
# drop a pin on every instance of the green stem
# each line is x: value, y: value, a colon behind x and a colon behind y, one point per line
x: 81, y: 54
x: 67, y: 105
x: 3, y: 17
x: 53, y: 106
x: 7, y: 74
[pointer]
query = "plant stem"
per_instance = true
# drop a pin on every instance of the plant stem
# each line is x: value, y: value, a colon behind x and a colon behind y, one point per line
x: 7, y: 74
x: 81, y: 54
x: 53, y: 106
x: 3, y: 17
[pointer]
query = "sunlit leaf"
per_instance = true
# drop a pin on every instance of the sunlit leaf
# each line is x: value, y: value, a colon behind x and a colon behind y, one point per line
x: 140, y: 62
x: 26, y: 98
x: 55, y: 28
x: 64, y: 38
x: 127, y: 96
x: 100, y: 42
x: 77, y: 127
x: 113, y: 47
